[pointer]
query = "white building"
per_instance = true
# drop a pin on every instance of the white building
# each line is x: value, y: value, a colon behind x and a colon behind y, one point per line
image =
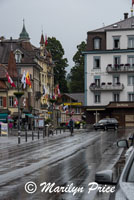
x: 109, y: 72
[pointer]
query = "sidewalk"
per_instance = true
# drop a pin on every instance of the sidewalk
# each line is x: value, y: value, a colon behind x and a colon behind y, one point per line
x: 12, y: 140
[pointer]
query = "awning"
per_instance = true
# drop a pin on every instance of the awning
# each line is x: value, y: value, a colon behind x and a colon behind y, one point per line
x: 3, y: 117
x: 29, y: 115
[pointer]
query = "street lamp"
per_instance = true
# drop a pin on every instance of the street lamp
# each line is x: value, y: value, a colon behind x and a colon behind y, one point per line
x: 18, y: 94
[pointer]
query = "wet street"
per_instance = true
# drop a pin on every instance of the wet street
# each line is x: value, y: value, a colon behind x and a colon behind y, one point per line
x: 62, y: 161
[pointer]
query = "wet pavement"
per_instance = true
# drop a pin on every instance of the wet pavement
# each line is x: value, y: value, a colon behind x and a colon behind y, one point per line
x: 61, y: 160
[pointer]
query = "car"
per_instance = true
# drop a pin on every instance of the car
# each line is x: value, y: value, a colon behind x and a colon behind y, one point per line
x: 106, y: 123
x: 124, y: 187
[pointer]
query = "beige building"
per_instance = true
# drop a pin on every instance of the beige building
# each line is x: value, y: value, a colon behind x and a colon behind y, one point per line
x: 17, y: 56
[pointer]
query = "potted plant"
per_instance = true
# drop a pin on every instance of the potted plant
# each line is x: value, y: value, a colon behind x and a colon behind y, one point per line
x: 18, y: 94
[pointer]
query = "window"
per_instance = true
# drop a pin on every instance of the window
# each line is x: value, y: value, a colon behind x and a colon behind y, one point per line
x: 11, y: 101
x: 97, y: 98
x: 116, y: 42
x: 116, y: 97
x: 1, y: 101
x: 131, y: 60
x: 131, y: 96
x: 130, y: 41
x: 97, y: 62
x: 43, y: 78
x: 117, y: 60
x: 97, y: 43
x: 116, y: 79
x: 77, y: 110
x: 97, y: 80
x: 131, y: 80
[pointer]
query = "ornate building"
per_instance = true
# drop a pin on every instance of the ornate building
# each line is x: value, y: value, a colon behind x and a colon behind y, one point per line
x: 17, y: 56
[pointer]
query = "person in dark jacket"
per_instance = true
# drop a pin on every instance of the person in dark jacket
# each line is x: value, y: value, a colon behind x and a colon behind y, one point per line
x: 71, y: 126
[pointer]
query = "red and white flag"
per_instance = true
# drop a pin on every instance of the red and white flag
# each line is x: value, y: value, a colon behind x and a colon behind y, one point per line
x: 58, y: 89
x: 132, y: 2
x: 15, y: 102
x: 10, y: 80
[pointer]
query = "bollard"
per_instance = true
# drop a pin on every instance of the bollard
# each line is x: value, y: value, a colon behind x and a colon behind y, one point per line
x: 32, y: 135
x: 26, y: 136
x: 43, y: 133
x: 56, y: 131
x: 19, y: 139
x: 60, y: 130
x: 38, y: 135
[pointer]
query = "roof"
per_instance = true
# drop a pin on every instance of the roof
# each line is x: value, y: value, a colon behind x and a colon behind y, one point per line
x: 3, y: 70
x: 3, y: 85
x: 24, y: 35
x: 123, y: 24
x: 28, y: 51
x: 79, y: 97
x: 42, y: 39
x: 12, y: 71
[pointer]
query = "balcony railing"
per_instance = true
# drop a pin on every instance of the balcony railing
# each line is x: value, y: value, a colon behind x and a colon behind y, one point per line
x: 122, y: 68
x: 106, y: 87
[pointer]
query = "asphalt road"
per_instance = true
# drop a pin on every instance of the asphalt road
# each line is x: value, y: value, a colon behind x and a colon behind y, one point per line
x: 62, y: 161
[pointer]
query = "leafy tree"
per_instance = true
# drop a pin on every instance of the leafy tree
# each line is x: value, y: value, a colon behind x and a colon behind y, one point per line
x: 57, y: 51
x: 77, y: 72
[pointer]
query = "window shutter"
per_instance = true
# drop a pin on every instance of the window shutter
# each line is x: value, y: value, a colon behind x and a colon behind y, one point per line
x: 4, y: 102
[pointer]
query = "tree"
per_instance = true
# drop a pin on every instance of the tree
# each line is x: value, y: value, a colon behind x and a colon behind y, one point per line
x: 77, y: 72
x: 57, y: 51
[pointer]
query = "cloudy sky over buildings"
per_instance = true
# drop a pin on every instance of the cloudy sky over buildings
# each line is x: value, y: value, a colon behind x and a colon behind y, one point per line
x: 67, y: 20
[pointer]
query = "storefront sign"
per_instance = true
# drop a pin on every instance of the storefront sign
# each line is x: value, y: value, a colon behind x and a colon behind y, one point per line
x: 4, y: 129
x: 73, y: 104
x: 122, y: 105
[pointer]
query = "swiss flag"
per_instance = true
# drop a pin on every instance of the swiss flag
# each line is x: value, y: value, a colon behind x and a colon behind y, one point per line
x: 132, y: 2
x: 10, y: 80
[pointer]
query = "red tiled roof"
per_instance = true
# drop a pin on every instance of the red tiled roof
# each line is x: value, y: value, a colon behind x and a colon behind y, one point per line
x: 12, y: 71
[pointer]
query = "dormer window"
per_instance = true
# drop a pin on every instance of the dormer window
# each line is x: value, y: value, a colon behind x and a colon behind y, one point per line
x: 18, y: 56
x: 97, y: 43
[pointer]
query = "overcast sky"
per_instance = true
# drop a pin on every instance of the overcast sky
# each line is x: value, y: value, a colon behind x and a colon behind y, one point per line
x: 67, y: 20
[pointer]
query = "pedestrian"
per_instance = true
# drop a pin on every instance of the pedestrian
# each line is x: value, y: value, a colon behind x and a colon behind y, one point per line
x: 10, y: 126
x: 71, y: 126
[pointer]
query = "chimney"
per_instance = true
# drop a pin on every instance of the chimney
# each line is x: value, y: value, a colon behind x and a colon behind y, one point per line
x: 125, y: 16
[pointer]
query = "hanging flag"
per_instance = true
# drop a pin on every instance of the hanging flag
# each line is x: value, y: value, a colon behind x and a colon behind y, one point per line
x: 15, y: 102
x: 46, y: 42
x: 132, y: 2
x: 28, y: 82
x: 58, y: 90
x: 44, y: 90
x: 23, y: 80
x: 24, y: 102
x: 65, y: 107
x: 10, y: 80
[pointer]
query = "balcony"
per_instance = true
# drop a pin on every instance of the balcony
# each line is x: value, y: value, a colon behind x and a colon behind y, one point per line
x: 122, y: 68
x: 106, y: 87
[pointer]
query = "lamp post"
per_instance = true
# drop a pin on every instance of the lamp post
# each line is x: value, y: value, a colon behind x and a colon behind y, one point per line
x: 18, y: 94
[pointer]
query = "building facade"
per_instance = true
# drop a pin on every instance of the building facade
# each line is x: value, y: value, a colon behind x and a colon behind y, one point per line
x: 109, y: 72
x: 17, y: 56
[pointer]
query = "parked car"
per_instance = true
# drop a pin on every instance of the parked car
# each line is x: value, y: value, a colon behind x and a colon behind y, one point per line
x: 107, y: 123
x: 125, y: 184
